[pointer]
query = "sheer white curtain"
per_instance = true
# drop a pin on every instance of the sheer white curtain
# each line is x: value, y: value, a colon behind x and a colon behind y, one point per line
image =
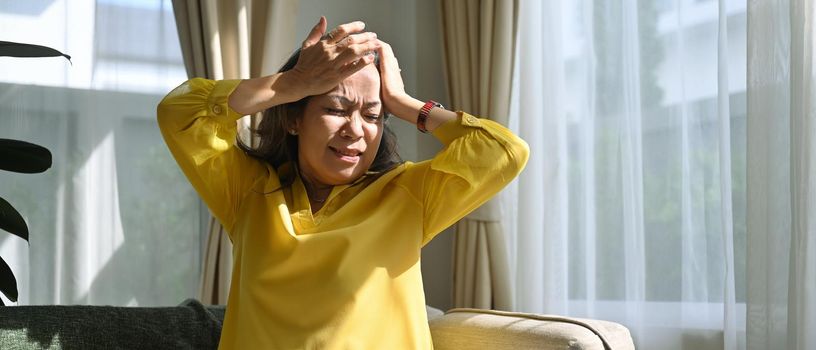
x: 113, y: 221
x: 632, y: 207
x: 781, y: 175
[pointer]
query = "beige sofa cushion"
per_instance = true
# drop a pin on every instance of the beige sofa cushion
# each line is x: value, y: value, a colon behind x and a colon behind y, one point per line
x: 433, y: 312
x: 499, y: 330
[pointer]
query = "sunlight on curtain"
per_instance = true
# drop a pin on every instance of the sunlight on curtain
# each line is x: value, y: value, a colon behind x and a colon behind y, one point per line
x: 781, y: 175
x: 113, y: 221
x: 621, y: 104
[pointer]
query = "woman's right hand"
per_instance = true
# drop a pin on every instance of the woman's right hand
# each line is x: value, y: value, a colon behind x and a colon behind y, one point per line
x: 322, y: 65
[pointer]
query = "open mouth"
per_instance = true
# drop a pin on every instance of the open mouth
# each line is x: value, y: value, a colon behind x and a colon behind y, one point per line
x: 347, y: 155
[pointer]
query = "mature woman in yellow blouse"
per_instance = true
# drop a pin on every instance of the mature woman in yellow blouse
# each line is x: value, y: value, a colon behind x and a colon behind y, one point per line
x: 326, y: 221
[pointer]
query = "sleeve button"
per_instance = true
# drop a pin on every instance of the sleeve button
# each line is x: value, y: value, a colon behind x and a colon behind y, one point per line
x: 216, y: 109
x: 471, y: 119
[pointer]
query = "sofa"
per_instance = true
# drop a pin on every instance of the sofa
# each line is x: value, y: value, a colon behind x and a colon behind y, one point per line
x: 192, y: 325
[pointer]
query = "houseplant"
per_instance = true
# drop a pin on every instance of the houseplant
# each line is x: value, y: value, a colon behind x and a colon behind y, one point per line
x: 21, y: 157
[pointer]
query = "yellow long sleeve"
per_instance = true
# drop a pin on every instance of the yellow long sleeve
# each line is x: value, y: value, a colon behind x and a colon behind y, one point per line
x: 479, y: 159
x: 200, y: 130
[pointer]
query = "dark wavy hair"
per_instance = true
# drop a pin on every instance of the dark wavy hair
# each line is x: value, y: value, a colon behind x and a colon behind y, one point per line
x: 277, y: 146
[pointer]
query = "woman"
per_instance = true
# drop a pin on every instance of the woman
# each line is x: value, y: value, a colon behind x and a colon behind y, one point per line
x: 326, y: 222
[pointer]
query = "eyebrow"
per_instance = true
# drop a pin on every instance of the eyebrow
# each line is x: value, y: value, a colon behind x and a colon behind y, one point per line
x: 346, y: 102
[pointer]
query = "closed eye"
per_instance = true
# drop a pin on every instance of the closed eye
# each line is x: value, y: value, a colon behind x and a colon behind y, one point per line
x: 373, y: 118
x: 338, y: 112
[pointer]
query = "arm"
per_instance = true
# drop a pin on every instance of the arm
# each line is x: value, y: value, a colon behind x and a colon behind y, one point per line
x: 200, y: 129
x: 480, y: 156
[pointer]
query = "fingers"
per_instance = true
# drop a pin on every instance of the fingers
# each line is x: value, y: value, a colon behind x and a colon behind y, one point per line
x: 387, y: 58
x: 353, y: 52
x: 337, y: 55
x: 386, y: 51
x: 390, y: 75
x: 357, y: 39
x: 316, y: 32
x: 342, y: 31
x: 357, y: 64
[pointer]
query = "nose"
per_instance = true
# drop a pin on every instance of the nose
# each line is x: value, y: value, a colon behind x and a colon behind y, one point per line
x: 353, y: 129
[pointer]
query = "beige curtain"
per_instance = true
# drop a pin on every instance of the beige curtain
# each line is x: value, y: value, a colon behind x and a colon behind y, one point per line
x: 234, y: 39
x: 478, y: 37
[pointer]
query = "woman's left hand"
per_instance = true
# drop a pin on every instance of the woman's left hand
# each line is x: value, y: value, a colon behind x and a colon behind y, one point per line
x: 395, y: 99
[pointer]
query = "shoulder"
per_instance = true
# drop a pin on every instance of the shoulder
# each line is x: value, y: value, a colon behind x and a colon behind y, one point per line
x: 407, y: 177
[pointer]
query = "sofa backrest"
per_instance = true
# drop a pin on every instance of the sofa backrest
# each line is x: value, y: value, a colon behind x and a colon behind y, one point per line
x: 187, y: 326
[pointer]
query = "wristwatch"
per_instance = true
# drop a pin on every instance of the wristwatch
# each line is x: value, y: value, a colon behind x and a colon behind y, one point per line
x: 422, y: 119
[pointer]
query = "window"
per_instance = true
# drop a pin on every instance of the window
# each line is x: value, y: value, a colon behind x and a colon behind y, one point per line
x: 113, y: 221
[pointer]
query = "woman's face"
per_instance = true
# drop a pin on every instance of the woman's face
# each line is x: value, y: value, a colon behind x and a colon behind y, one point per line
x: 340, y: 131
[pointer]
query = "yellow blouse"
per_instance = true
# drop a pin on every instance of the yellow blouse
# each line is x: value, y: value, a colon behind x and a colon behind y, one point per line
x: 347, y: 277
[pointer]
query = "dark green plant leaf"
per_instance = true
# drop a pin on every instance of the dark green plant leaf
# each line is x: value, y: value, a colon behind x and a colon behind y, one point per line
x: 23, y: 157
x: 12, y: 221
x: 8, y: 283
x: 11, y: 49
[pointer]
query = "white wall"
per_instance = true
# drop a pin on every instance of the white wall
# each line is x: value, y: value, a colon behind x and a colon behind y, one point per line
x: 412, y: 29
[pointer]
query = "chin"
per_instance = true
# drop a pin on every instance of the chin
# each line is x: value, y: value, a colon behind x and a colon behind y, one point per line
x: 344, y: 177
x: 342, y: 174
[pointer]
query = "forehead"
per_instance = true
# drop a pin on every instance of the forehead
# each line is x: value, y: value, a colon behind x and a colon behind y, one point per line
x: 364, y: 84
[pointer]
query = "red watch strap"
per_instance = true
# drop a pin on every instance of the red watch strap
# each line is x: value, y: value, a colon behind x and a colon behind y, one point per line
x: 422, y: 119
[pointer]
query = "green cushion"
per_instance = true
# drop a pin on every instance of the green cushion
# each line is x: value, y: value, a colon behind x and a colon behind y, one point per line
x: 188, y: 326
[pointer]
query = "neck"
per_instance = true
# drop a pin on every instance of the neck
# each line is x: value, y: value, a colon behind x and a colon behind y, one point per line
x: 317, y: 192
